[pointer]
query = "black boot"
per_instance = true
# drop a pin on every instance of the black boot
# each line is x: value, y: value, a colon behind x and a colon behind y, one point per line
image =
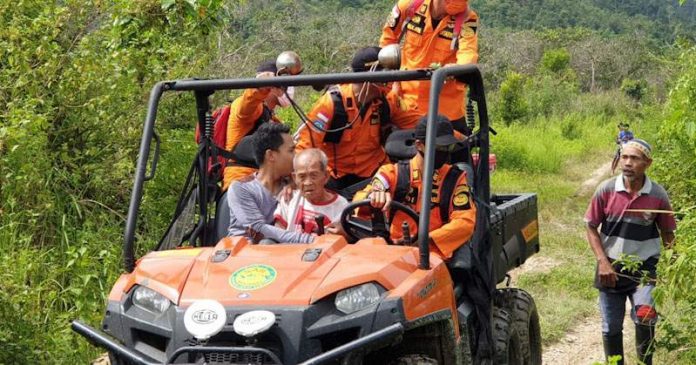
x: 613, y: 345
x: 644, y: 343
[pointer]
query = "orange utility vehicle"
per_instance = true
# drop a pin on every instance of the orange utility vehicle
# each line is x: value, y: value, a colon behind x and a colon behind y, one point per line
x: 204, y: 298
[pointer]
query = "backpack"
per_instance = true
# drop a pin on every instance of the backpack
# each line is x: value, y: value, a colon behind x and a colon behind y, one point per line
x: 221, y: 117
x: 340, y: 117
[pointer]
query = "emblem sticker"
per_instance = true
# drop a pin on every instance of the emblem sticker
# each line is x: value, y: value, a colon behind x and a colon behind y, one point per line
x: 461, y: 197
x: 253, y: 277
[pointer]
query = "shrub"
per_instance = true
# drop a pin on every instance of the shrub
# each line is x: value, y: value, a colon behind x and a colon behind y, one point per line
x: 636, y: 89
x: 513, y: 105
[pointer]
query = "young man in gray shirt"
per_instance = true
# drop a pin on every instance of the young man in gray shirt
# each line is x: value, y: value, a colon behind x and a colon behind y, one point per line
x: 252, y: 200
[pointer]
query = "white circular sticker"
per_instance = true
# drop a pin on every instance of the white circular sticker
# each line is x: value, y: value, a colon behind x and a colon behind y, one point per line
x: 252, y: 323
x: 205, y: 318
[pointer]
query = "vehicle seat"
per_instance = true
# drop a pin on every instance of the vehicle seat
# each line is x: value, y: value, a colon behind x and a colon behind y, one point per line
x: 244, y: 153
x: 401, y: 145
x: 222, y: 218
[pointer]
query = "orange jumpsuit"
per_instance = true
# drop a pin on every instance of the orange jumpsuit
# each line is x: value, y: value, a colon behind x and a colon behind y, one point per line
x: 359, y: 151
x: 425, y: 45
x: 447, y: 237
x: 244, y: 113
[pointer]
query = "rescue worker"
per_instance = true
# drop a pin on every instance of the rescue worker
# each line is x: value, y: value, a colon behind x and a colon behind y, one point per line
x: 348, y: 123
x: 247, y: 113
x: 434, y: 32
x: 452, y: 214
x: 629, y: 215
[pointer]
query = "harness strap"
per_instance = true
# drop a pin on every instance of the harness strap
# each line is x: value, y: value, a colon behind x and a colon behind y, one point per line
x: 446, y: 192
x: 403, y: 180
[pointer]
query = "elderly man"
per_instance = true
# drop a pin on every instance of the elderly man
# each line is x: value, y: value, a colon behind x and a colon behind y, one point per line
x: 252, y: 200
x: 625, y: 220
x: 311, y: 199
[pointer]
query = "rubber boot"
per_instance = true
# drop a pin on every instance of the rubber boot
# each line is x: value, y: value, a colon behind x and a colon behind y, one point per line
x: 644, y: 343
x: 613, y: 345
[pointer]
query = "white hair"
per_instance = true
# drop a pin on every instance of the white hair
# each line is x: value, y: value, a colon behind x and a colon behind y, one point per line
x: 314, y: 153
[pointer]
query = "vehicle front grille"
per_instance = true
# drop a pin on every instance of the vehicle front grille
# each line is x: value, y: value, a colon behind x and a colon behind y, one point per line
x: 238, y: 358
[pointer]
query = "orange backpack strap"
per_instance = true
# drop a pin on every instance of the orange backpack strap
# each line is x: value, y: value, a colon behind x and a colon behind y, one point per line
x: 458, y: 21
x: 410, y: 12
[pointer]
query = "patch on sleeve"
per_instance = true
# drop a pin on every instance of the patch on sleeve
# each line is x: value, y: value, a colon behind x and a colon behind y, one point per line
x: 469, y: 29
x: 461, y: 198
x: 393, y: 19
x: 320, y: 122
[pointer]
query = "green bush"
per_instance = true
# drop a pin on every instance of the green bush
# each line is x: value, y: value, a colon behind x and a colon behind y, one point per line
x: 636, y: 89
x: 555, y: 61
x: 513, y: 105
x: 675, y: 167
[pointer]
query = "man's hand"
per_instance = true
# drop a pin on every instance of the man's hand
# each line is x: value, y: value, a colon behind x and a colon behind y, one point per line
x: 607, y: 275
x: 381, y: 199
x: 335, y: 228
x: 255, y: 236
x: 286, y: 192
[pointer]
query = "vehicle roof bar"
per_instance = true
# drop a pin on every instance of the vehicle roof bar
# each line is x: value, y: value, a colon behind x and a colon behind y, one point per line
x: 470, y: 75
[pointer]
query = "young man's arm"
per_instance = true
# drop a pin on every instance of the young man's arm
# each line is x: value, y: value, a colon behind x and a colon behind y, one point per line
x: 245, y: 208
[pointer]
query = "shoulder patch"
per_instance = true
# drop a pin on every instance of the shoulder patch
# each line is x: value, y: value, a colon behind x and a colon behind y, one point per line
x: 461, y: 197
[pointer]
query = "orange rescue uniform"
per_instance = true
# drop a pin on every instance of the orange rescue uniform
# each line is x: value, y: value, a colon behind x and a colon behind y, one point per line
x: 425, y: 45
x: 360, y: 151
x: 462, y: 217
x: 245, y: 112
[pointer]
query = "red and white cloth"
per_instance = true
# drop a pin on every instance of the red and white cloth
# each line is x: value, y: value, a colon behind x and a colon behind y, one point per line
x: 302, y: 213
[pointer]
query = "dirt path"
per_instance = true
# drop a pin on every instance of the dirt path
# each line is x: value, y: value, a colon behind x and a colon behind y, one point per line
x: 597, y: 176
x: 583, y: 344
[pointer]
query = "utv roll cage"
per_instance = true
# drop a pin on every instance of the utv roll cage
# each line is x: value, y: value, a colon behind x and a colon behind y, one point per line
x: 202, y: 89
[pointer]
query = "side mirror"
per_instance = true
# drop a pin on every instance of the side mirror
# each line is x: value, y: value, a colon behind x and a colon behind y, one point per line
x: 289, y: 63
x: 390, y: 57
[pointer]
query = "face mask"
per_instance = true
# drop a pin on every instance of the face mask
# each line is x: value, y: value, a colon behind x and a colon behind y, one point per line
x: 441, y: 158
x: 284, y: 100
x: 454, y: 7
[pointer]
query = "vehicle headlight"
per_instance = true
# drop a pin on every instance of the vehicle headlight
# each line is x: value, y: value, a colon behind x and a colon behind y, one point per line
x: 150, y: 300
x: 356, y: 298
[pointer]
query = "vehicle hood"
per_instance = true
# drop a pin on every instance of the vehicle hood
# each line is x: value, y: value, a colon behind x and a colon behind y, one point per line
x: 236, y: 273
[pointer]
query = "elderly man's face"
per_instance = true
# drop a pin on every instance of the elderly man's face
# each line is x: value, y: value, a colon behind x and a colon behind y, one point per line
x: 310, y: 178
x: 633, y: 163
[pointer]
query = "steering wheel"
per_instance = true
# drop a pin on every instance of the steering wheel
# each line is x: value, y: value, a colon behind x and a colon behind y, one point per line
x: 356, y: 230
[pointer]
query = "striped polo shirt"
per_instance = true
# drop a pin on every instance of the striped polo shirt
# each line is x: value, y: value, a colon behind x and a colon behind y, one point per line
x: 630, y: 232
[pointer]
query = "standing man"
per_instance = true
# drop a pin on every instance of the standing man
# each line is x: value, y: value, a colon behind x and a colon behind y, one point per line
x: 348, y: 123
x: 627, y: 216
x: 252, y: 200
x: 442, y: 32
x: 247, y: 113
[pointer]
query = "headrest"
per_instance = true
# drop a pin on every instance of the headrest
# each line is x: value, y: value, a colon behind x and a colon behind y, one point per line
x: 401, y: 145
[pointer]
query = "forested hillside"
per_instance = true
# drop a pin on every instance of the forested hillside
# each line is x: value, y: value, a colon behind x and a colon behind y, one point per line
x: 75, y: 77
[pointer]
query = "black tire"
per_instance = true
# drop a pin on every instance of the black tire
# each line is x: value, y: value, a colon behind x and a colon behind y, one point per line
x: 416, y: 359
x: 506, y: 341
x: 525, y: 320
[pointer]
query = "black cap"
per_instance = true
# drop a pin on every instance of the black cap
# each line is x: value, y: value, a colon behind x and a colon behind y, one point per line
x: 444, y: 133
x: 365, y: 58
x: 267, y: 66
